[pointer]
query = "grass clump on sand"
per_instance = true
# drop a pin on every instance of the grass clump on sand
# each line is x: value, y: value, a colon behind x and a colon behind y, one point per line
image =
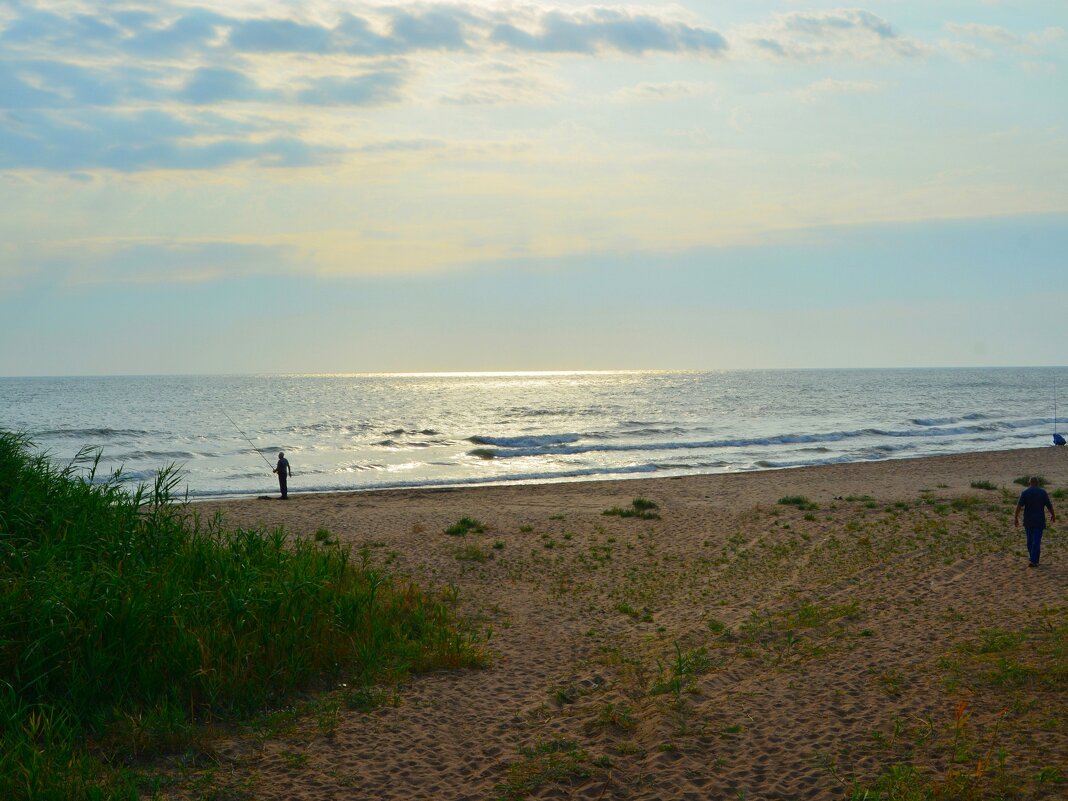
x: 984, y: 485
x: 555, y: 761
x: 1024, y: 481
x: 800, y: 501
x: 639, y: 507
x: 125, y: 626
x: 465, y: 526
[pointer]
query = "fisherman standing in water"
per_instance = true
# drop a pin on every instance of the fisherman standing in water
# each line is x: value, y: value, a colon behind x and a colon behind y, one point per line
x: 284, y: 471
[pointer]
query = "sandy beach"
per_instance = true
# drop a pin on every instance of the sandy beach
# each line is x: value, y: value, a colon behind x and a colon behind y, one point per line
x: 731, y: 647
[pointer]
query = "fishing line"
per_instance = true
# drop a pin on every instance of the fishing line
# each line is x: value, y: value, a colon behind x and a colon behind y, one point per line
x: 235, y: 425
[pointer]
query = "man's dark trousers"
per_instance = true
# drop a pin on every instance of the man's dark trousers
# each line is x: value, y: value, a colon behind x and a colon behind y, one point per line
x: 1034, y: 544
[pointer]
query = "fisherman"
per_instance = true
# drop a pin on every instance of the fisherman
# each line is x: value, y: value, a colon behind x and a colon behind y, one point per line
x: 1034, y: 501
x: 284, y: 471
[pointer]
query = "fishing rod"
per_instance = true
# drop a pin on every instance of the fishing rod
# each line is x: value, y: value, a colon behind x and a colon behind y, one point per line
x: 235, y: 425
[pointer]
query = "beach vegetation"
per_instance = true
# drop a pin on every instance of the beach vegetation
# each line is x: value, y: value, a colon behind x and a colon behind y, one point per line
x: 1024, y: 481
x: 800, y: 501
x: 465, y: 526
x: 639, y: 507
x: 473, y: 553
x: 718, y: 627
x: 567, y: 695
x: 555, y: 761
x: 131, y: 628
x: 369, y: 698
x: 984, y: 485
x: 615, y: 716
x: 678, y: 675
x: 1059, y: 494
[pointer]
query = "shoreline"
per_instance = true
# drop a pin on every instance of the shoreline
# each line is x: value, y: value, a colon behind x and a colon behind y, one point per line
x: 1016, y: 459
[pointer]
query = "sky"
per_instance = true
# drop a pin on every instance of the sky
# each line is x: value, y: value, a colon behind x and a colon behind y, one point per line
x: 336, y: 186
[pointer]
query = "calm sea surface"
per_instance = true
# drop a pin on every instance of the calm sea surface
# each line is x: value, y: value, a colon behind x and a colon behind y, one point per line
x: 355, y: 432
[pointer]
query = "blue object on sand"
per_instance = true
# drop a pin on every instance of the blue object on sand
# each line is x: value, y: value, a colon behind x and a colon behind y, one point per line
x: 1058, y: 439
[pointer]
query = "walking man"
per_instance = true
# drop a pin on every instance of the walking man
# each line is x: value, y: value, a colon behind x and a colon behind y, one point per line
x: 1034, y: 501
x: 283, y: 470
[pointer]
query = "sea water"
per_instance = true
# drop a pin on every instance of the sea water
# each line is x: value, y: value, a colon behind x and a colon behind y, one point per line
x: 362, y: 432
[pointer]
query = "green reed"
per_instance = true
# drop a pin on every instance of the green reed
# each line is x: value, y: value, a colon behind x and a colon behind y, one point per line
x: 124, y: 624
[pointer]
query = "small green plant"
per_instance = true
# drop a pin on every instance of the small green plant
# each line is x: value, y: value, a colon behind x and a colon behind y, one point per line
x: 616, y: 716
x: 800, y: 501
x: 1050, y: 775
x: 640, y: 508
x: 368, y: 699
x: 567, y: 695
x: 1026, y: 480
x: 555, y: 761
x: 465, y: 526
x: 498, y: 545
x: 473, y: 553
x: 294, y: 760
x: 677, y: 675
x: 325, y: 537
x: 984, y: 485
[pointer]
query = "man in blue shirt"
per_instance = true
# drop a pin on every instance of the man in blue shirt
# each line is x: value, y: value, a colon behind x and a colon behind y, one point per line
x: 1034, y: 501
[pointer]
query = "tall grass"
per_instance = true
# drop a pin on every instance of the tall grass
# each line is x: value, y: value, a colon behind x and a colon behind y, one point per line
x: 124, y: 623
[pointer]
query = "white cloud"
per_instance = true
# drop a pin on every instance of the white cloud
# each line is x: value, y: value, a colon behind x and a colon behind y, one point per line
x: 834, y: 34
x: 834, y: 86
x: 996, y: 34
x: 664, y: 90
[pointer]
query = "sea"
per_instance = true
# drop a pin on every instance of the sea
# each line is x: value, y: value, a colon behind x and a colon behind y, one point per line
x: 374, y: 432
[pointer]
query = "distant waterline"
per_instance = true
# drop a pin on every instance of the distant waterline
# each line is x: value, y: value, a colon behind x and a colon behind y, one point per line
x: 362, y: 432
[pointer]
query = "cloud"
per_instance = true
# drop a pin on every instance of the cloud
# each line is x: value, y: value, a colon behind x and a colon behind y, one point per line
x: 665, y: 90
x: 135, y: 141
x: 149, y: 261
x: 208, y: 85
x: 359, y: 90
x: 280, y: 36
x: 998, y: 35
x: 606, y: 29
x: 839, y: 33
x: 432, y: 29
x: 834, y: 86
x: 148, y: 35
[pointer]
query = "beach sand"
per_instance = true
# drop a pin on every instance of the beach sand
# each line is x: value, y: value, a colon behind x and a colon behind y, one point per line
x: 733, y: 648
